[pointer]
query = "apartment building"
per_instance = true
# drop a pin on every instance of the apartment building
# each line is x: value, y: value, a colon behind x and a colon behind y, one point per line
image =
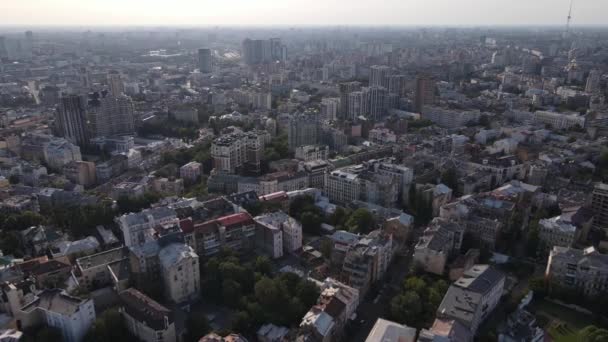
x: 290, y: 227
x: 378, y: 181
x: 303, y: 129
x: 109, y: 267
x: 312, y: 152
x: 180, y: 272
x: 440, y: 240
x: 235, y: 232
x: 191, y: 171
x: 558, y: 120
x: 473, y: 297
x: 138, y: 228
x: 342, y: 186
x: 145, y: 318
x: 54, y: 308
x: 326, y: 320
x: 238, y: 150
x: 80, y: 172
x: 555, y: 232
x: 599, y: 205
x: 367, y: 261
x: 582, y: 270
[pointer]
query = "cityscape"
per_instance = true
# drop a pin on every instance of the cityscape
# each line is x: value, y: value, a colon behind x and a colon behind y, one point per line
x: 279, y: 172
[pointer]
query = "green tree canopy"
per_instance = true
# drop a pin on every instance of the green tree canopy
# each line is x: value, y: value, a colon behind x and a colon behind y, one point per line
x: 361, y: 221
x: 109, y: 327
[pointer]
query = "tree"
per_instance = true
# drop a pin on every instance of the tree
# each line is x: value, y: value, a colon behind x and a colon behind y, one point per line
x: 307, y: 292
x: 231, y: 293
x: 197, y: 326
x: 311, y: 223
x: 406, y: 308
x: 539, y: 286
x: 21, y: 221
x: 46, y: 333
x: 10, y: 243
x: 484, y: 121
x: 361, y: 221
x: 426, y: 292
x: 241, y: 322
x: 415, y: 284
x: 132, y: 205
x: 327, y: 247
x: 339, y: 217
x: 412, y: 197
x: 593, y: 334
x: 263, y: 265
x: 300, y: 205
x: 450, y: 178
x: 13, y: 179
x: 109, y: 327
x: 533, y: 240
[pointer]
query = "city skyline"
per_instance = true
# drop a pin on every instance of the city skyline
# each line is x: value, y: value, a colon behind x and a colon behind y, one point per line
x: 292, y: 13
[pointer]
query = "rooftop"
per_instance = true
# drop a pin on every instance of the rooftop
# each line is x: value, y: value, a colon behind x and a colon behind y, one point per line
x: 479, y: 278
x: 145, y: 309
x: 388, y: 331
x: 235, y: 219
x: 175, y: 253
x: 103, y: 258
x: 56, y: 301
x: 557, y: 224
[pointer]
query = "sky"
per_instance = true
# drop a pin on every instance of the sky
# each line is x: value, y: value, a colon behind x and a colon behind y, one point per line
x: 300, y: 12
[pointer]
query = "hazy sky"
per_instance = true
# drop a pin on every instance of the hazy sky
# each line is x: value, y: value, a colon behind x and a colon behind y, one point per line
x: 300, y: 12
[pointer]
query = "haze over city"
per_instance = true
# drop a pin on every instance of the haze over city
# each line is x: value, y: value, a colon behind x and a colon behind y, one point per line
x: 297, y: 12
x: 303, y: 171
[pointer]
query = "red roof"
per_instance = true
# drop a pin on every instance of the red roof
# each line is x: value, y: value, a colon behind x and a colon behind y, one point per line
x: 274, y: 195
x: 206, y: 227
x: 186, y: 225
x: 235, y: 219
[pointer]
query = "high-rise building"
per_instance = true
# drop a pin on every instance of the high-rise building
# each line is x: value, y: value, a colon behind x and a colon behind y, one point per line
x: 356, y: 104
x: 593, y: 81
x: 235, y: 151
x: 378, y: 76
x: 303, y: 129
x: 278, y: 50
x: 111, y: 115
x: 115, y: 83
x: 259, y: 51
x: 330, y: 108
x: 599, y: 205
x: 425, y: 92
x: 377, y: 102
x: 345, y: 90
x: 3, y: 47
x: 85, y: 77
x: 118, y: 112
x: 396, y: 84
x: 205, y: 60
x: 70, y: 120
x: 27, y: 45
